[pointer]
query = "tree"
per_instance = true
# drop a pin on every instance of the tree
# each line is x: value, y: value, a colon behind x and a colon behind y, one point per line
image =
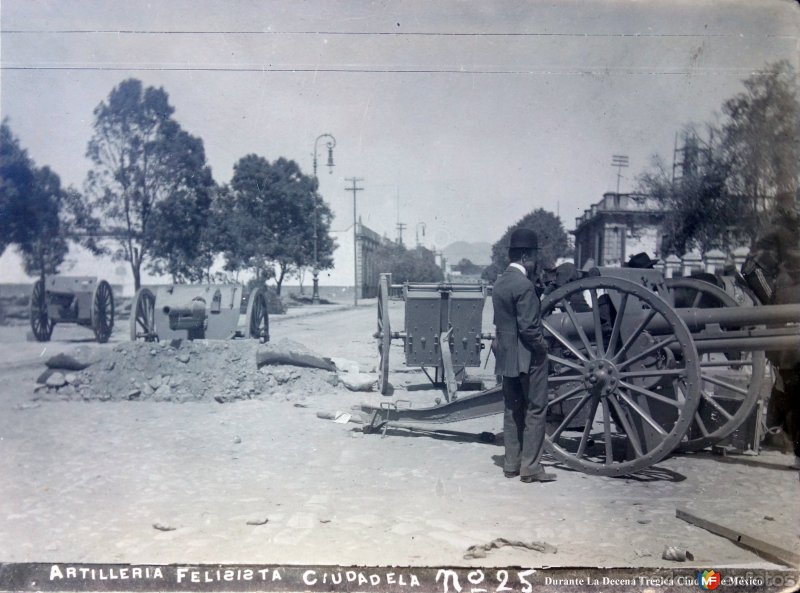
x: 699, y: 211
x: 183, y: 238
x: 726, y: 184
x: 553, y: 242
x: 142, y: 158
x: 270, y: 222
x: 31, y: 201
x: 761, y: 139
x: 408, y: 265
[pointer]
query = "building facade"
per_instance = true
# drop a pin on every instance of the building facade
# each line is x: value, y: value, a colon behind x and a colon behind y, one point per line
x: 618, y: 226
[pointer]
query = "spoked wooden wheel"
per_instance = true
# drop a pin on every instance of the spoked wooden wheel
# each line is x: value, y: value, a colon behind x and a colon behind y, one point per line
x: 102, y: 311
x: 384, y: 334
x: 731, y: 382
x: 257, y: 315
x: 143, y: 321
x: 41, y: 324
x: 624, y: 378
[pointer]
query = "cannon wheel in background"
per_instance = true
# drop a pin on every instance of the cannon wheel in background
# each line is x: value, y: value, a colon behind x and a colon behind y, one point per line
x: 739, y: 401
x: 143, y: 320
x: 383, y: 335
x: 635, y: 396
x: 257, y: 315
x: 102, y: 311
x: 41, y: 324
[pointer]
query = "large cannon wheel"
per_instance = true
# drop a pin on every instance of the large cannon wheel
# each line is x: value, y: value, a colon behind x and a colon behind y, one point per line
x: 621, y: 398
x: 41, y: 324
x: 143, y: 320
x: 731, y: 382
x: 383, y: 335
x: 102, y: 311
x: 257, y: 315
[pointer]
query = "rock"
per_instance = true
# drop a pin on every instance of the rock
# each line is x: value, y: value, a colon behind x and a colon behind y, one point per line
x: 332, y: 379
x: 133, y: 394
x: 248, y: 387
x: 281, y: 376
x: 358, y: 381
x: 153, y: 352
x: 237, y: 440
x: 70, y: 377
x: 110, y: 365
x: 176, y: 381
x: 67, y: 390
x: 42, y: 379
x: 56, y: 380
x: 162, y: 393
x: 183, y: 357
x: 76, y: 361
x: 155, y: 382
x: 343, y: 365
x: 676, y: 554
x: 147, y: 390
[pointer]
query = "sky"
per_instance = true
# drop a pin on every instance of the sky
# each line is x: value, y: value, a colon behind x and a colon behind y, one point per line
x: 462, y: 115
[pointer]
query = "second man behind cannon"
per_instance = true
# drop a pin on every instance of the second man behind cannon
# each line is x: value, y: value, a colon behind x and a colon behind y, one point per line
x: 521, y: 354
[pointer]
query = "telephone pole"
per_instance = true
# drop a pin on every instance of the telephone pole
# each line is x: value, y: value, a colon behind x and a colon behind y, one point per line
x: 354, y: 188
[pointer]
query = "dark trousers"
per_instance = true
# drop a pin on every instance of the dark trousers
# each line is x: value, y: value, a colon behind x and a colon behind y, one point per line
x: 784, y: 405
x: 525, y: 398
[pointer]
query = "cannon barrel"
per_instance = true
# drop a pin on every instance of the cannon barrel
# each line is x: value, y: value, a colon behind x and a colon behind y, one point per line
x: 707, y: 326
x: 189, y: 315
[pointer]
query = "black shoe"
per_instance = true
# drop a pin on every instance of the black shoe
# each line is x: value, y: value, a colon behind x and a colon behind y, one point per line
x: 542, y: 477
x: 511, y: 474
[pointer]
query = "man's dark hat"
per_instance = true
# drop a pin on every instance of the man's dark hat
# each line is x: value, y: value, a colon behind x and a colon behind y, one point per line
x: 641, y: 260
x: 523, y: 239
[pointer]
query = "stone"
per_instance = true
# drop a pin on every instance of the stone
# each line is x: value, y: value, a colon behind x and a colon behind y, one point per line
x: 110, y: 365
x: 155, y: 382
x: 281, y: 376
x: 56, y: 380
x: 70, y: 377
x: 183, y: 357
x: 133, y: 394
x: 42, y: 379
x: 332, y: 379
x: 76, y: 359
x: 358, y: 381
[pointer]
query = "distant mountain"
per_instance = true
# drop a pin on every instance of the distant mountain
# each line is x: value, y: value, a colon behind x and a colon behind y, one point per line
x: 477, y: 253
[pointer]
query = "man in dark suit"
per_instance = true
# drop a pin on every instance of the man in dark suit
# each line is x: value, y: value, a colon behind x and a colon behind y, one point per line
x: 521, y: 354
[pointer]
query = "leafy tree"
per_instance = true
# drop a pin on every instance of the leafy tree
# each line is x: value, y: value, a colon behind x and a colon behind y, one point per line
x: 465, y: 266
x: 142, y: 159
x: 553, y: 242
x: 408, y: 265
x: 269, y: 226
x: 727, y: 183
x: 699, y: 211
x: 761, y: 138
x: 183, y: 240
x: 31, y: 200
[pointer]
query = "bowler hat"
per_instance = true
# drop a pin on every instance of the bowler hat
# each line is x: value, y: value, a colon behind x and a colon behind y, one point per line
x: 641, y: 260
x: 523, y: 239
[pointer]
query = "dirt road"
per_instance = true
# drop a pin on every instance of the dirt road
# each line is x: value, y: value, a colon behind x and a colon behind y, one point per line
x: 266, y: 481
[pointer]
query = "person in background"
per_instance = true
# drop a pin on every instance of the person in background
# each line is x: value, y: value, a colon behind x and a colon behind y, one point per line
x: 772, y: 271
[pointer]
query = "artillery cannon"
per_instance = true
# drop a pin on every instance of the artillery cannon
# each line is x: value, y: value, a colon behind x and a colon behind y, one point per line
x: 636, y: 378
x: 194, y: 312
x: 442, y: 330
x: 82, y: 300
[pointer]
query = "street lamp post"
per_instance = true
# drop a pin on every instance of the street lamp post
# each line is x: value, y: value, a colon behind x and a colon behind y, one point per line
x: 331, y: 142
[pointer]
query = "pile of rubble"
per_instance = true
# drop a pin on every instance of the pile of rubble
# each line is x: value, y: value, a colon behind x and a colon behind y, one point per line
x: 189, y: 371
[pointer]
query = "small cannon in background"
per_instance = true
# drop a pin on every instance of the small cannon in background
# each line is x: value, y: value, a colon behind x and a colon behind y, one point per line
x: 192, y: 311
x: 82, y: 300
